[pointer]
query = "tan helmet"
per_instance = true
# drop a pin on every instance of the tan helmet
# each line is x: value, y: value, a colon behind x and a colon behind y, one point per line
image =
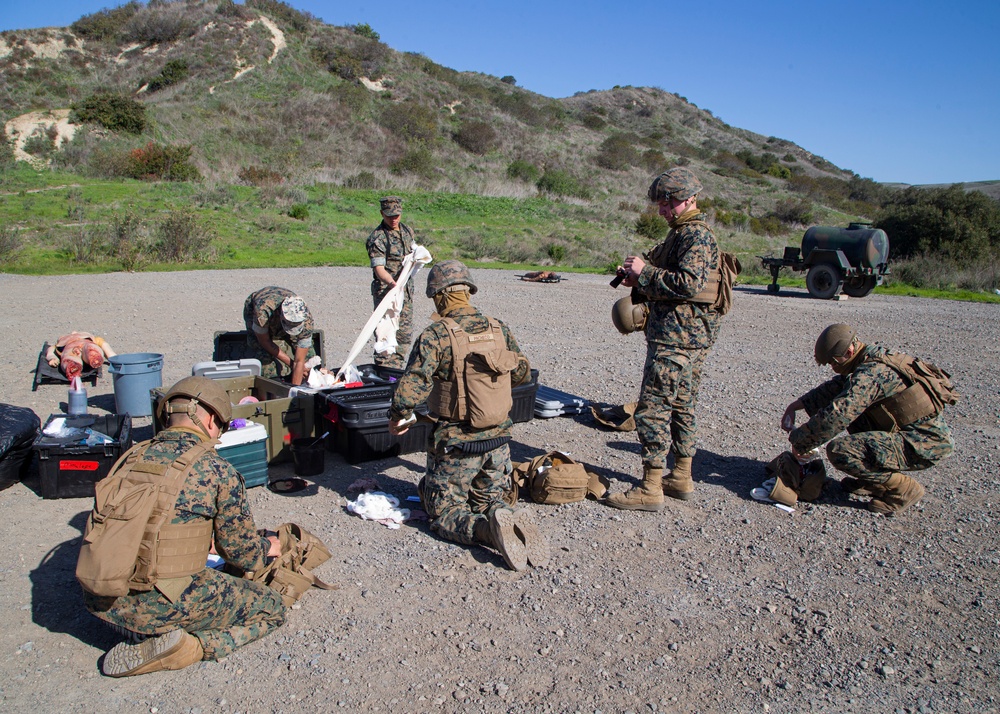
x: 448, y: 274
x: 185, y: 396
x: 627, y: 316
x: 678, y: 183
x: 833, y: 342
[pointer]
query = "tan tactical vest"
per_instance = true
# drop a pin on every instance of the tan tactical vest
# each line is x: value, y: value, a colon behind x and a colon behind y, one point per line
x: 129, y: 543
x: 719, y: 285
x: 479, y: 389
x: 929, y: 390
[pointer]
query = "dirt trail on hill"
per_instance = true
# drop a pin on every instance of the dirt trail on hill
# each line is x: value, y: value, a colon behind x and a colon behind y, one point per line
x: 717, y: 604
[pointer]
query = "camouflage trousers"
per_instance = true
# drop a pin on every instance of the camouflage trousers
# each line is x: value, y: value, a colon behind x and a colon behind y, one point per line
x: 872, y: 456
x: 664, y: 418
x: 461, y: 489
x: 222, y: 611
x: 269, y: 366
x: 404, y: 334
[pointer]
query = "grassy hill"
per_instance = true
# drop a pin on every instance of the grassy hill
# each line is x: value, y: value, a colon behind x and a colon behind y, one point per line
x: 282, y: 131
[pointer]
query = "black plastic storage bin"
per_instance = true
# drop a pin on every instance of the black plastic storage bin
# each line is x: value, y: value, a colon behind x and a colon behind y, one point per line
x: 358, y: 422
x: 233, y: 345
x: 524, y: 400
x: 69, y: 468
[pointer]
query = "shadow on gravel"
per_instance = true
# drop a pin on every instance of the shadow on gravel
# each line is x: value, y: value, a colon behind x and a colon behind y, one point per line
x: 56, y: 599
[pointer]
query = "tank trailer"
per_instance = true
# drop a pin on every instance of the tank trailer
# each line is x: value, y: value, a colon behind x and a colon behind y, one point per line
x: 853, y: 260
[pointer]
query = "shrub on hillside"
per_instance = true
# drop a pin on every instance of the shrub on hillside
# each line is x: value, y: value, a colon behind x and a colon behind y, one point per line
x: 360, y: 57
x: 509, y: 79
x: 362, y: 180
x: 556, y: 252
x: 792, y: 210
x: 163, y: 162
x: 410, y: 120
x: 594, y: 121
x: 173, y: 72
x: 766, y: 226
x: 10, y: 244
x: 298, y: 211
x: 158, y: 24
x: 128, y: 241
x: 286, y: 15
x: 651, y: 225
x: 105, y: 24
x: 476, y: 137
x: 228, y: 8
x: 365, y: 30
x: 779, y: 171
x: 42, y: 142
x: 6, y: 149
x: 964, y: 226
x: 617, y: 153
x: 653, y: 160
x: 115, y: 112
x: 417, y: 161
x: 523, y: 171
x: 259, y: 176
x: 562, y: 183
x: 179, y: 238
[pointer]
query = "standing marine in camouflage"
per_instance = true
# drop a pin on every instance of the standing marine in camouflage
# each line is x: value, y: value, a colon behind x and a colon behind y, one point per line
x: 387, y: 246
x: 678, y: 280
x: 468, y: 459
x: 197, y: 613
x: 280, y: 333
x: 893, y: 421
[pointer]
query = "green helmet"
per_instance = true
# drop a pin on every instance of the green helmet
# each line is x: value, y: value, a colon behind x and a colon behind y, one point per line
x: 627, y: 316
x: 678, y: 183
x: 185, y: 396
x: 833, y: 342
x: 449, y: 273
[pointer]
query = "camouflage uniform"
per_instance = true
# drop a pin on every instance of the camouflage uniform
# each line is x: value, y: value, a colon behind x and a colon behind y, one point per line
x: 678, y: 336
x: 222, y: 611
x: 868, y: 454
x: 388, y: 248
x: 262, y: 313
x: 460, y: 488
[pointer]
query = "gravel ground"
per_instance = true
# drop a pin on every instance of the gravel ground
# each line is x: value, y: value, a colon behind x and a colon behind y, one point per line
x: 718, y: 604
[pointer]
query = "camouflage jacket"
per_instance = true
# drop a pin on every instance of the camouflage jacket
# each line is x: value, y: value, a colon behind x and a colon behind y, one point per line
x: 264, y: 308
x: 215, y: 491
x: 836, y: 405
x: 431, y: 359
x: 678, y: 268
x: 388, y: 248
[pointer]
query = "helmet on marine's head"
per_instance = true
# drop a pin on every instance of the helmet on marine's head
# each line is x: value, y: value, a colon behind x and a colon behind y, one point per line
x: 678, y: 183
x: 191, y: 392
x: 833, y: 342
x: 449, y: 275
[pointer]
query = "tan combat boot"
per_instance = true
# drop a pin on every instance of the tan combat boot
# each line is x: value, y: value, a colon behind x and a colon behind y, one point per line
x: 901, y: 492
x: 176, y: 649
x: 854, y: 485
x: 678, y: 483
x: 498, y: 532
x: 536, y: 546
x: 646, y: 497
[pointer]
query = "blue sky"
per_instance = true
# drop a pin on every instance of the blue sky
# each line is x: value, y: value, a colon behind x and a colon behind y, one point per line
x: 898, y: 91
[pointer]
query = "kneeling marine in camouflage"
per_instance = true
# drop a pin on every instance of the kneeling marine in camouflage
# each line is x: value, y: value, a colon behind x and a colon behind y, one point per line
x: 145, y: 573
x: 889, y: 403
x: 464, y: 365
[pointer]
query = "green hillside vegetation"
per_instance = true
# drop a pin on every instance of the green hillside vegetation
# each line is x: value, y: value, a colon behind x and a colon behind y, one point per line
x: 224, y: 135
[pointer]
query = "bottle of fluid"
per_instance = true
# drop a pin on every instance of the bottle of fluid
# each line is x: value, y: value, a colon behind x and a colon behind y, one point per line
x: 77, y: 404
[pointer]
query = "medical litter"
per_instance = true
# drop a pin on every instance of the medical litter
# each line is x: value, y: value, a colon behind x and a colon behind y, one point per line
x: 381, y: 507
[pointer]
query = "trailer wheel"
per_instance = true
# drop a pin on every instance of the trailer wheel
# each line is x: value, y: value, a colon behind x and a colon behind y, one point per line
x: 859, y: 286
x: 824, y: 281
